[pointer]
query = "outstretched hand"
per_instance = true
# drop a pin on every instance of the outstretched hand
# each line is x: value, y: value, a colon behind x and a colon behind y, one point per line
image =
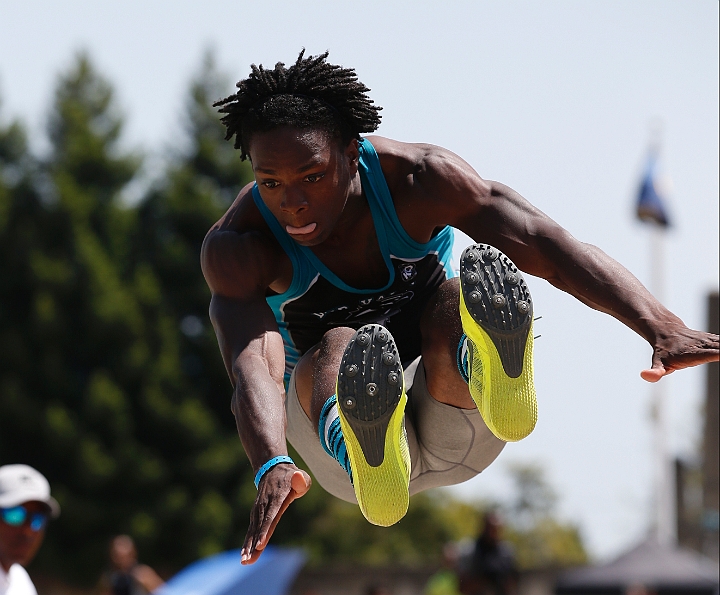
x: 682, y: 349
x: 278, y: 488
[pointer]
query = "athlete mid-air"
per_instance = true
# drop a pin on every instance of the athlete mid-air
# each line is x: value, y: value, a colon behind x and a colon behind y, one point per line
x: 339, y: 321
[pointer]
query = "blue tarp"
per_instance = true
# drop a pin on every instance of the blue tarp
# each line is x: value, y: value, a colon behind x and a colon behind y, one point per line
x: 222, y: 574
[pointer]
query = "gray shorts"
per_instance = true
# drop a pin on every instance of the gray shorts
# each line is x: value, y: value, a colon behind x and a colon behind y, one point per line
x: 447, y: 445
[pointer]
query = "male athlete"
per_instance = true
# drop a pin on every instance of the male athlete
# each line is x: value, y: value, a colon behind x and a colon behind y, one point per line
x: 337, y: 317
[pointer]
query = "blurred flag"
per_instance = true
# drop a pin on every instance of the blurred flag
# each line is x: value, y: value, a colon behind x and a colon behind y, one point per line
x: 650, y: 205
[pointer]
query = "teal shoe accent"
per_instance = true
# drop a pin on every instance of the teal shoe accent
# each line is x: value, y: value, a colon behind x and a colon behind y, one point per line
x: 335, y: 445
x: 462, y: 358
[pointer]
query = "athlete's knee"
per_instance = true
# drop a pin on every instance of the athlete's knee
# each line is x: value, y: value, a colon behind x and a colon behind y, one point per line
x: 441, y: 332
x: 440, y: 324
x: 329, y: 353
x: 334, y: 342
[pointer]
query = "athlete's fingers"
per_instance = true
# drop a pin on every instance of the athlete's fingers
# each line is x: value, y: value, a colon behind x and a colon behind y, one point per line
x: 250, y: 558
x: 247, y: 544
x: 653, y: 374
x: 688, y: 349
x: 300, y: 484
x: 256, y: 515
x: 261, y: 538
x: 657, y: 369
x: 695, y: 358
x: 267, y: 513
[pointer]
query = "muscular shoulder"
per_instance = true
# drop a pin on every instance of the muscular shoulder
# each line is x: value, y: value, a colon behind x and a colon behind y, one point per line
x: 240, y: 257
x: 400, y: 161
x: 429, y: 179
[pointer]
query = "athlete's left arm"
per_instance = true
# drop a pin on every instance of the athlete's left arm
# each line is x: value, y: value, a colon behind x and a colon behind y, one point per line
x: 492, y: 213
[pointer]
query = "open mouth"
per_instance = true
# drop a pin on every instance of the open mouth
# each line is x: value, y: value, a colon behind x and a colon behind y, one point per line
x: 301, y: 231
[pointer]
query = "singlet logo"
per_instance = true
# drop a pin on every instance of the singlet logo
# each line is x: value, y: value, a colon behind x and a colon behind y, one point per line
x: 408, y: 272
x: 377, y: 307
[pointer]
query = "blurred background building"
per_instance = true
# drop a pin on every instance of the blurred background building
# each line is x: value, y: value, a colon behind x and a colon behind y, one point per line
x: 697, y: 482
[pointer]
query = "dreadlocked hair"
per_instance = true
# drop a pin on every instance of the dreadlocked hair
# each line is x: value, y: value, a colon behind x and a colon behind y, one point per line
x: 310, y: 94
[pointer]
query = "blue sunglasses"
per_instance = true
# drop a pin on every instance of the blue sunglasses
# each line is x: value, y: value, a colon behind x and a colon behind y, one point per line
x: 19, y: 515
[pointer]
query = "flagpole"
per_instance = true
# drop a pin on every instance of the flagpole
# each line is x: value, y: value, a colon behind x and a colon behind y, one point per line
x: 650, y: 209
x: 664, y: 509
x: 664, y: 527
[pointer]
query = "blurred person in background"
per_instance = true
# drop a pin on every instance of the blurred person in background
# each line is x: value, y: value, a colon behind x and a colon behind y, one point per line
x: 25, y: 507
x: 492, y: 569
x: 127, y: 576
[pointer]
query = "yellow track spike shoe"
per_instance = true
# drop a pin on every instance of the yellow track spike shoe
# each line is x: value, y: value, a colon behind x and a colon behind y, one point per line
x: 497, y: 316
x: 371, y: 405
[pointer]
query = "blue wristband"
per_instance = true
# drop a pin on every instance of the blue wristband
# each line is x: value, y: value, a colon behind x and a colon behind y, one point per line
x: 269, y: 465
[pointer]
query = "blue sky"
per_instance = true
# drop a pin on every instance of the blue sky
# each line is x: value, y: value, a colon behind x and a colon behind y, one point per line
x: 555, y: 99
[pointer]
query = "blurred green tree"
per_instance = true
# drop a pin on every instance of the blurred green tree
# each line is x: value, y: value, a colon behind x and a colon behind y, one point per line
x: 202, y: 180
x: 102, y: 327
x: 66, y: 310
x: 338, y: 533
x: 210, y: 503
x: 540, y: 539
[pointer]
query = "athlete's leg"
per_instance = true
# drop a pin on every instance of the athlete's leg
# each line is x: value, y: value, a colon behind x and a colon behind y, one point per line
x: 371, y: 401
x: 497, y: 315
x: 492, y: 306
x: 317, y: 371
x: 316, y: 376
x: 302, y: 433
x: 363, y: 429
x: 441, y: 333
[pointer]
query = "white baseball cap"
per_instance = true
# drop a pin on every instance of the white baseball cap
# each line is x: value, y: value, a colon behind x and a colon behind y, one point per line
x: 22, y: 483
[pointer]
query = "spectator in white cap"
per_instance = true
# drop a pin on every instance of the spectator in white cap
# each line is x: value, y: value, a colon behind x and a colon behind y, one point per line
x: 25, y: 507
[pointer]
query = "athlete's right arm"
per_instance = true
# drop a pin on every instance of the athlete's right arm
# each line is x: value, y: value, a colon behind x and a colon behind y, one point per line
x: 239, y: 268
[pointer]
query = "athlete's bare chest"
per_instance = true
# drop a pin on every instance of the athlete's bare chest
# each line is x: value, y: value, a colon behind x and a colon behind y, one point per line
x: 355, y: 258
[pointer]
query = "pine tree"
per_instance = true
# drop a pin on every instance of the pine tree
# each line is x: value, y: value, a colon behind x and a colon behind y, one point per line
x: 98, y: 386
x: 202, y: 180
x: 75, y: 316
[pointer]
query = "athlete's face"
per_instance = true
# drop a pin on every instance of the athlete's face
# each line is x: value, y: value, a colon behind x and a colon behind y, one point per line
x: 305, y: 178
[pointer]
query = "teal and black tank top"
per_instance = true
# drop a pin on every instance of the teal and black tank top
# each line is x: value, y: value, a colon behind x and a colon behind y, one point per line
x: 318, y: 300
